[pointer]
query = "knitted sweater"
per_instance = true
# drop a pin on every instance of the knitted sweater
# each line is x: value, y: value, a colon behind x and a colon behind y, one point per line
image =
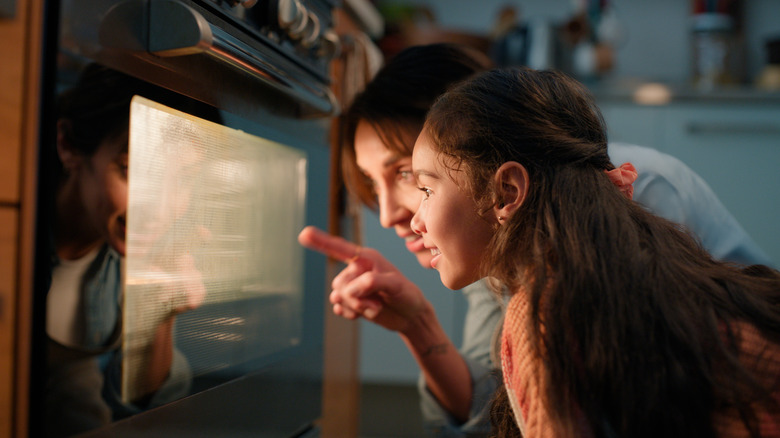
x: 522, y: 368
x: 526, y: 388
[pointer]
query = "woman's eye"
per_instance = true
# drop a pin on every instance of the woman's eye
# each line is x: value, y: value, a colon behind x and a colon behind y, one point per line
x: 428, y: 192
x: 405, y: 175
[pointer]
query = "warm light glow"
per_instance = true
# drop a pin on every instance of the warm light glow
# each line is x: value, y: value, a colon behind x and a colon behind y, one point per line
x: 652, y: 94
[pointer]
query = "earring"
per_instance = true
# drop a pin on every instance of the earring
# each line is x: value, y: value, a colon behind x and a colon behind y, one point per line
x: 500, y: 218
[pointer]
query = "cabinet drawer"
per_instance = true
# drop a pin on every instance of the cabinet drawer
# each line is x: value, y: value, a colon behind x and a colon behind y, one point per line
x: 736, y: 149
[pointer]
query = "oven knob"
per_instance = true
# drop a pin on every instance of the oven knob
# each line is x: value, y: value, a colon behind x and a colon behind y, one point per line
x: 292, y: 17
x: 311, y: 33
x: 330, y: 45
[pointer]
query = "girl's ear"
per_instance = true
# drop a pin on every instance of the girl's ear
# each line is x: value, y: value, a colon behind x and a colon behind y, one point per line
x: 69, y: 156
x: 513, y: 183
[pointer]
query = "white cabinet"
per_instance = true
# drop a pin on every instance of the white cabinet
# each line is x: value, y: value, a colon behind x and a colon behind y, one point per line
x: 733, y: 145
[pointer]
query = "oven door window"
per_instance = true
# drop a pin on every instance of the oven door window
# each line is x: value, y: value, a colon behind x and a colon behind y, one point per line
x: 211, y: 214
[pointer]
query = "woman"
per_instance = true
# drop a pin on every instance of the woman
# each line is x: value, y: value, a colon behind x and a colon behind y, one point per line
x: 620, y: 324
x: 380, y: 127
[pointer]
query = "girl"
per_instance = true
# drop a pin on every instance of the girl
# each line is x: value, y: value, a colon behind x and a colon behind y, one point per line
x: 620, y: 324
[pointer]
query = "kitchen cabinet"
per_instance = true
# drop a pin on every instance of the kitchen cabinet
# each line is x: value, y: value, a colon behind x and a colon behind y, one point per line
x: 8, y: 220
x: 10, y: 101
x: 733, y: 143
x: 21, y: 33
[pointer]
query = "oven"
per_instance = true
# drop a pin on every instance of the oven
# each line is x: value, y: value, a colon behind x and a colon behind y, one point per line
x: 253, y: 341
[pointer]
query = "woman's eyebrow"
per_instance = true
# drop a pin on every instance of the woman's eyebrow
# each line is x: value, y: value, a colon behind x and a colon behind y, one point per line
x: 392, y: 160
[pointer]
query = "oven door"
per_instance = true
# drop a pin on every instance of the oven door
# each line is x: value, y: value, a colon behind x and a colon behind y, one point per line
x: 254, y: 345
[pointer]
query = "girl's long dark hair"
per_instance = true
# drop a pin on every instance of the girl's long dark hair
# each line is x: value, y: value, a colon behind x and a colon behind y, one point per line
x: 638, y: 325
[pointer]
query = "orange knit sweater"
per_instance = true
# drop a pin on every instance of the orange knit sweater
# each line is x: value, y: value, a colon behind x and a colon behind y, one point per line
x: 522, y: 370
x: 525, y: 384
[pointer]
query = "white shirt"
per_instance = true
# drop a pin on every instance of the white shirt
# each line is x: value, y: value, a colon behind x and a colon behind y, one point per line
x: 64, y: 317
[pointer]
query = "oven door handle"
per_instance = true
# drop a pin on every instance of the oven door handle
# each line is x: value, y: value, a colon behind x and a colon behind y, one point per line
x: 173, y: 29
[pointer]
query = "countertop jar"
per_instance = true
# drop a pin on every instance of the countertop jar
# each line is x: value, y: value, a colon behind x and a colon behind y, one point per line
x: 715, y: 55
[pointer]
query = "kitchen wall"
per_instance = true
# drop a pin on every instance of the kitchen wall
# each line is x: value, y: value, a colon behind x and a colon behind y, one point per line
x: 657, y: 48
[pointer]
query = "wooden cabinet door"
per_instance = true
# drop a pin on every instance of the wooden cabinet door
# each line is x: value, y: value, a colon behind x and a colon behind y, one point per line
x: 8, y: 232
x: 11, y: 98
x: 21, y: 33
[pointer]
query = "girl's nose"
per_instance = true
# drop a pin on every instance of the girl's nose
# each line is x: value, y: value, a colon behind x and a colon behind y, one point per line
x: 417, y: 223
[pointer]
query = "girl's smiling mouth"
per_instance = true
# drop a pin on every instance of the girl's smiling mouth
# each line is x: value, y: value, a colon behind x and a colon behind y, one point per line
x: 436, y: 253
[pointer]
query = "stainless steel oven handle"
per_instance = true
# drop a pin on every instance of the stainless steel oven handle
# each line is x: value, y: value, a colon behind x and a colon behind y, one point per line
x: 227, y: 49
x: 175, y: 29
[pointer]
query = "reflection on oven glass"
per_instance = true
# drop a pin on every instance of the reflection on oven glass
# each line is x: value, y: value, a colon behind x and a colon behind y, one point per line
x: 211, y: 213
x: 84, y: 300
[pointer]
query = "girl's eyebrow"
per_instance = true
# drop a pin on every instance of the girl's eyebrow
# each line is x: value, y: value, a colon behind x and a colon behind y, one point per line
x: 422, y: 172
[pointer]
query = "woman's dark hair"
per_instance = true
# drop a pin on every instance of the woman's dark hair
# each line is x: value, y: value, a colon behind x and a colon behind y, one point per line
x: 641, y: 331
x: 396, y: 100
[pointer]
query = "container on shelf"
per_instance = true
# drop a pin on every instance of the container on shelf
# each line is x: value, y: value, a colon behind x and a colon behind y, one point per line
x: 715, y: 55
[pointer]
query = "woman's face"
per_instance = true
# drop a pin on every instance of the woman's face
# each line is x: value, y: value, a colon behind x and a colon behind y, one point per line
x: 447, y: 219
x: 390, y: 174
x: 103, y: 190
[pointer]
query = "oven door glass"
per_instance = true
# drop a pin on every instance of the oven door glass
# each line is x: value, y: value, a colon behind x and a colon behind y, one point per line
x: 211, y: 214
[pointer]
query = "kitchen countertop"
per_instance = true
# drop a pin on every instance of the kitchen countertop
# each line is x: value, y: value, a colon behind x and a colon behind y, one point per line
x: 662, y: 93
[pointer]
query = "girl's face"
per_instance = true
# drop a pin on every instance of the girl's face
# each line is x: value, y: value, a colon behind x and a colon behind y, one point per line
x: 103, y: 187
x: 396, y: 190
x: 447, y: 219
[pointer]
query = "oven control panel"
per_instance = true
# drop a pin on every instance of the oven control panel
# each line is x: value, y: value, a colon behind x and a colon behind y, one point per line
x: 301, y: 29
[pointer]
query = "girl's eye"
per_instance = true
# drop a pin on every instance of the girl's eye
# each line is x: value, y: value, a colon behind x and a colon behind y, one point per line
x: 428, y: 192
